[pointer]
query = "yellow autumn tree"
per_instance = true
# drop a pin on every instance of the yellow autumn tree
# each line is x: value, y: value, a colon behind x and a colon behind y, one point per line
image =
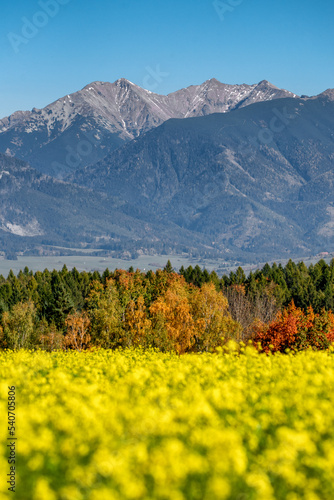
x: 213, y: 322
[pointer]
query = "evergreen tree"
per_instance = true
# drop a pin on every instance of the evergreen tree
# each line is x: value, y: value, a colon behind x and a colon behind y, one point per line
x: 168, y: 267
x: 62, y: 304
x: 106, y: 275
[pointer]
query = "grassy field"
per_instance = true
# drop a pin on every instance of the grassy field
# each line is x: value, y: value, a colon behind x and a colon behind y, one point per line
x: 144, y: 263
x: 89, y: 263
x: 146, y: 425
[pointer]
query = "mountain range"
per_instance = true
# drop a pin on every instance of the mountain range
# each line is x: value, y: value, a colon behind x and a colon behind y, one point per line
x: 81, y: 128
x: 243, y: 172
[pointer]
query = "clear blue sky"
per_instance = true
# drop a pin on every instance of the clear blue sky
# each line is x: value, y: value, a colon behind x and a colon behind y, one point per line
x: 288, y: 42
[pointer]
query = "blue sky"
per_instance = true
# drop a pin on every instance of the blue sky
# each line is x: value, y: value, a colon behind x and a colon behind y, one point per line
x: 50, y: 48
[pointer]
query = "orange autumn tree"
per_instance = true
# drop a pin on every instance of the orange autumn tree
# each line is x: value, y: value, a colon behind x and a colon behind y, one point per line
x: 172, y: 321
x: 297, y: 330
x: 77, y: 336
x: 136, y: 323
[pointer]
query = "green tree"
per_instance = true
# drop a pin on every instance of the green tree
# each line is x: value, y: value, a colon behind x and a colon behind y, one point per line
x: 19, y: 325
x: 105, y: 314
x: 168, y: 267
x: 62, y: 304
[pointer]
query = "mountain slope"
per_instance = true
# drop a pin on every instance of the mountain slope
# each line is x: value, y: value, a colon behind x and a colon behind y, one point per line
x: 37, y: 211
x: 256, y: 181
x: 81, y: 128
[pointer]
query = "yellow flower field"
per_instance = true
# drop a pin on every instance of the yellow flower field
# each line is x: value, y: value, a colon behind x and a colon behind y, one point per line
x: 114, y: 425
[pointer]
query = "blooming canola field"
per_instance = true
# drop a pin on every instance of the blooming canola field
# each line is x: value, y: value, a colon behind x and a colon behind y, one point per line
x: 146, y: 425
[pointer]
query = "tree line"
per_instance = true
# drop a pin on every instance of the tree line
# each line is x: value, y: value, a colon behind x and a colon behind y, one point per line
x: 191, y: 310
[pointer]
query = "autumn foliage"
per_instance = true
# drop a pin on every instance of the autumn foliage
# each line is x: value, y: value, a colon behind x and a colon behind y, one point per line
x: 296, y: 330
x: 162, y: 311
x: 77, y: 336
x: 158, y: 310
x: 189, y: 312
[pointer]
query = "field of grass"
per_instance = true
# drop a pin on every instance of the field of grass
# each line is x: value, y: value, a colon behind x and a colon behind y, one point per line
x: 99, y: 263
x: 114, y: 425
x: 144, y: 263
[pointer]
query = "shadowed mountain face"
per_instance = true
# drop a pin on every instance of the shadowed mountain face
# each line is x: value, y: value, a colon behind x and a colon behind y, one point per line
x: 82, y: 128
x: 254, y: 182
x: 37, y: 212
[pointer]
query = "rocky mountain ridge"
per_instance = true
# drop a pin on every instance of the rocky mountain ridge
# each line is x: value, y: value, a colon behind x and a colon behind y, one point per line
x: 83, y: 127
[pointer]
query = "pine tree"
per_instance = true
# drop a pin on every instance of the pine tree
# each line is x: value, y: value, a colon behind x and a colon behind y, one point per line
x: 62, y: 303
x: 168, y: 267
